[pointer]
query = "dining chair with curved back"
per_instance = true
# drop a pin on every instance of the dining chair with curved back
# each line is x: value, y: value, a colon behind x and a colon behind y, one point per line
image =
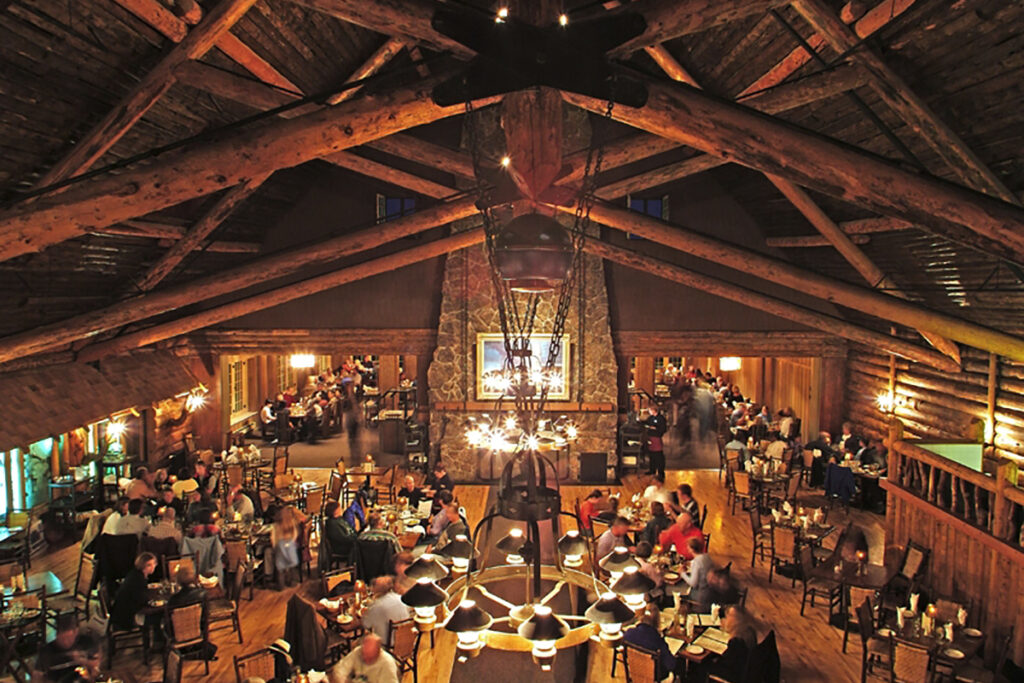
x: 641, y: 664
x: 404, y: 639
x: 852, y: 597
x: 759, y: 534
x: 911, y: 663
x: 258, y: 664
x: 783, y: 550
x: 187, y: 633
x: 117, y: 637
x: 173, y: 562
x: 874, y: 651
x: 815, y: 586
x: 225, y: 609
x: 741, y: 491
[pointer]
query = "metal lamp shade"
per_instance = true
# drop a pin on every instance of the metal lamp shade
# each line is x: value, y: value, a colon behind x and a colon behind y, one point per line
x: 609, y: 609
x: 424, y: 594
x: 533, y: 253
x: 468, y: 616
x: 572, y: 544
x: 619, y: 560
x: 544, y: 625
x: 632, y: 582
x: 426, y: 566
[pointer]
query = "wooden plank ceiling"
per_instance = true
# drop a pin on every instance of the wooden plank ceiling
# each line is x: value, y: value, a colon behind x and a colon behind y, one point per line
x: 66, y: 65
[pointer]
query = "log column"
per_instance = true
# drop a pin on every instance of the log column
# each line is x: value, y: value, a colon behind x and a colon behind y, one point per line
x: 833, y: 393
x: 387, y: 372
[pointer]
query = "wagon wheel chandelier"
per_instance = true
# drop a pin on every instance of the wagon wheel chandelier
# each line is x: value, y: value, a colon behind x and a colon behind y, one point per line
x: 533, y: 260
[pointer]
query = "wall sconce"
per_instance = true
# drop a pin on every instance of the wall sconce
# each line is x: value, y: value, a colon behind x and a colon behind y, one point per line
x: 302, y: 360
x: 730, y: 363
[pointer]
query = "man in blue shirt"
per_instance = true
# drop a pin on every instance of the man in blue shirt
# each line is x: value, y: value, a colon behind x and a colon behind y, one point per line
x: 646, y: 635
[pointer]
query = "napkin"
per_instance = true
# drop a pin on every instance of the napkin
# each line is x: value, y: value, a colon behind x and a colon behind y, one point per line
x: 899, y: 618
x: 777, y: 515
x: 807, y: 523
x: 316, y: 676
x: 816, y: 452
x: 787, y: 508
x: 961, y: 616
x: 949, y: 632
x: 690, y: 619
x: 914, y: 597
x: 714, y: 611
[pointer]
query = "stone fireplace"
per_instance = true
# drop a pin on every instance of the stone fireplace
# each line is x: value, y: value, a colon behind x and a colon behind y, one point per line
x: 467, y: 308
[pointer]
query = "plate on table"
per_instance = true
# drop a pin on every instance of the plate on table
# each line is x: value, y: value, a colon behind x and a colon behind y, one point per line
x: 344, y: 618
x: 671, y: 577
x: 694, y: 650
x: 158, y: 603
x: 953, y: 653
x: 885, y: 632
x: 972, y: 633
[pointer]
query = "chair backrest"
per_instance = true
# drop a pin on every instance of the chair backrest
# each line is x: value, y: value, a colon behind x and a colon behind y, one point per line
x: 281, y: 463
x: 707, y: 542
x: 86, y: 574
x: 703, y: 515
x: 335, y: 485
x: 858, y: 596
x: 282, y: 480
x: 640, y: 664
x: 259, y: 664
x: 332, y: 579
x: 865, y: 622
x: 404, y: 639
x: 236, y: 552
x: 599, y: 526
x: 755, y: 520
x: 173, y: 562
x: 234, y: 475
x: 792, y: 487
x: 946, y: 610
x: 914, y: 560
x: 314, y: 500
x: 806, y: 555
x: 238, y: 584
x: 172, y: 667
x: 186, y: 623
x: 910, y: 662
x: 808, y: 458
x: 784, y: 539
x: 741, y: 483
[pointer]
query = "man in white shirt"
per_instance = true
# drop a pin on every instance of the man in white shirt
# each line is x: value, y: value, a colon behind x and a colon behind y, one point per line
x: 655, y: 492
x: 387, y: 606
x: 616, y: 535
x: 110, y: 525
x: 369, y: 663
x: 241, y: 505
x: 133, y: 522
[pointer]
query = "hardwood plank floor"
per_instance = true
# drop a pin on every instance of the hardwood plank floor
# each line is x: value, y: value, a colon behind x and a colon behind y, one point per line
x: 809, y: 647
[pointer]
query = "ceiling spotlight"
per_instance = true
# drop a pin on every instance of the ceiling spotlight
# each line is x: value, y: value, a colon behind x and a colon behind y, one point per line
x: 563, y: 19
x: 501, y: 16
x: 506, y: 161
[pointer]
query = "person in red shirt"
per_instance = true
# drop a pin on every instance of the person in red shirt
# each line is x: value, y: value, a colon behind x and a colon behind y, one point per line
x: 679, y: 534
x: 590, y: 508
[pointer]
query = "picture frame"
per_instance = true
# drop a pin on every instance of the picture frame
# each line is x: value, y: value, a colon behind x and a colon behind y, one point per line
x: 491, y: 357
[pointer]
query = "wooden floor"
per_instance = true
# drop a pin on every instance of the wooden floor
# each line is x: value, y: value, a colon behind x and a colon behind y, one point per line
x: 809, y: 647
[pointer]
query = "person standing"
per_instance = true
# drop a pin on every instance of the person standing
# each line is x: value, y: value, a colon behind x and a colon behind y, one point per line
x: 655, y: 426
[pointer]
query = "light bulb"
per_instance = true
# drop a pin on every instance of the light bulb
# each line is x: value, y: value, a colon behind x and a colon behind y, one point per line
x: 573, y: 560
x: 510, y: 423
x: 612, y: 631
x: 636, y: 601
x: 513, y: 558
x: 563, y: 19
x: 425, y: 615
x: 532, y: 442
x: 460, y: 564
x: 506, y: 161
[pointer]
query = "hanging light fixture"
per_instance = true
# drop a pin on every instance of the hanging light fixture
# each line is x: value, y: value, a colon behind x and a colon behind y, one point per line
x: 534, y: 253
x: 610, y: 614
x: 633, y: 587
x: 618, y: 562
x: 572, y: 547
x: 426, y: 567
x: 461, y: 552
x: 544, y: 629
x: 424, y: 598
x: 469, y: 623
x: 513, y: 546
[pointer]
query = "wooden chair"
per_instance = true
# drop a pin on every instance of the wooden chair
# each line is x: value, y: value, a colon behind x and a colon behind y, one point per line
x: 23, y: 638
x: 187, y: 633
x: 335, y: 485
x: 874, y: 651
x: 81, y: 596
x: 116, y: 637
x: 741, y: 491
x: 313, y: 504
x: 911, y: 663
x: 172, y: 667
x: 234, y: 475
x: 974, y: 671
x: 853, y: 596
x: 912, y: 567
x: 808, y: 456
x: 814, y: 586
x: 760, y: 535
x: 707, y: 542
x: 331, y: 579
x: 226, y: 609
x: 236, y: 559
x: 641, y: 664
x: 404, y: 639
x: 783, y: 550
x: 703, y: 517
x: 173, y: 562
x: 258, y: 664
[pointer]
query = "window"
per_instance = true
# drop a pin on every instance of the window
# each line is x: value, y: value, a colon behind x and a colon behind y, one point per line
x: 237, y: 384
x: 390, y: 208
x: 652, y: 206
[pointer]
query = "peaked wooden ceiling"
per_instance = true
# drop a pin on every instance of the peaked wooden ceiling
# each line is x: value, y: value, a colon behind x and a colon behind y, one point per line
x: 934, y: 86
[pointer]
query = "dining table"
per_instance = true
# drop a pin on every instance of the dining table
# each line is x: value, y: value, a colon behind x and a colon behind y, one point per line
x: 9, y: 532
x: 857, y: 574
x: 46, y: 580
x: 22, y: 618
x: 966, y: 642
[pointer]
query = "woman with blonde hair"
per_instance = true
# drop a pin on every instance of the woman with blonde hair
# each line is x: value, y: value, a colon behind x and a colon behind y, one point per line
x: 284, y: 539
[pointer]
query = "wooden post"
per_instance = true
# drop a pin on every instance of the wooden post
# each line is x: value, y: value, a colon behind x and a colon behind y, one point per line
x: 281, y: 295
x: 622, y: 382
x: 387, y: 372
x: 200, y: 170
x: 643, y: 374
x: 990, y: 412
x: 745, y: 260
x: 728, y: 130
x: 423, y: 386
x: 231, y: 280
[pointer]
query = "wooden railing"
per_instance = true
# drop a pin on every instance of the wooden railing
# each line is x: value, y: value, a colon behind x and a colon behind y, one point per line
x: 991, y: 504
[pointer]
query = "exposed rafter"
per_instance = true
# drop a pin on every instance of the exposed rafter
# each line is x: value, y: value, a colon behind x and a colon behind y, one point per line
x: 275, y: 297
x: 144, y: 95
x: 902, y: 99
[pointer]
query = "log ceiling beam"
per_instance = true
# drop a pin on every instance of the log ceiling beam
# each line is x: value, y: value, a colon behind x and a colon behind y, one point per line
x: 146, y: 92
x: 169, y: 234
x: 867, y: 301
x: 817, y: 217
x: 388, y: 174
x: 406, y: 146
x: 902, y: 99
x: 738, y: 134
x: 199, y: 170
x: 858, y: 230
x: 769, y: 304
x: 808, y: 241
x: 231, y: 280
x: 783, y: 98
x: 159, y: 17
x: 281, y: 295
x: 872, y: 20
x: 381, y: 56
x: 199, y: 231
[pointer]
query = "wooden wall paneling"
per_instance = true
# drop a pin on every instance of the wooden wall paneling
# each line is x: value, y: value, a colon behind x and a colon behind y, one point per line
x: 643, y: 374
x: 387, y: 372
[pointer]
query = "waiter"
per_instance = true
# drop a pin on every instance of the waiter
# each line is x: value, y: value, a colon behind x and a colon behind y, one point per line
x: 655, y: 426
